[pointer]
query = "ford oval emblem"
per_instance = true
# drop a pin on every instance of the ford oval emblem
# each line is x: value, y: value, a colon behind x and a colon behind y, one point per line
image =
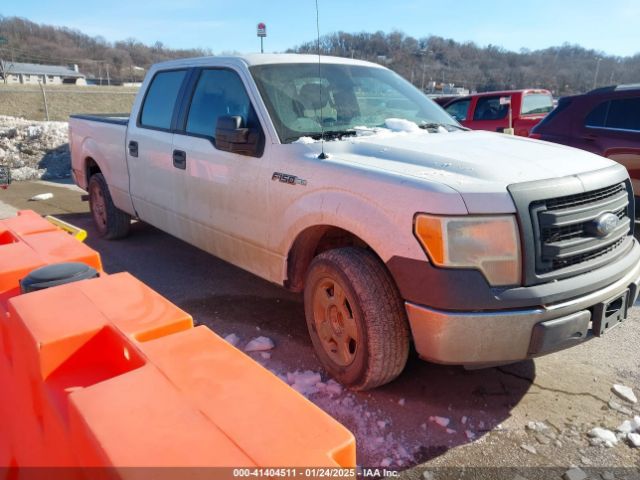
x: 605, y: 224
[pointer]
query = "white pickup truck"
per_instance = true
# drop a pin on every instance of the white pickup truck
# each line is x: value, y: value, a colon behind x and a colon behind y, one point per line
x: 338, y: 178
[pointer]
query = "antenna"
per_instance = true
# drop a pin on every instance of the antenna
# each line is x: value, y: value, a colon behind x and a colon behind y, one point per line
x: 322, y: 155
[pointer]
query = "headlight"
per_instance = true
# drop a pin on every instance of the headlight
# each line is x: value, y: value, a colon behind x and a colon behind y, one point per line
x: 488, y: 243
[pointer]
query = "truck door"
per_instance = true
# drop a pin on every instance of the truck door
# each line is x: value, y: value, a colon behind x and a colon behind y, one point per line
x: 149, y: 152
x: 489, y: 114
x: 223, y: 194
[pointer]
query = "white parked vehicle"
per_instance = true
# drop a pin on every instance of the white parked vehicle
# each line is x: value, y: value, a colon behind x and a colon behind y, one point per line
x: 482, y: 248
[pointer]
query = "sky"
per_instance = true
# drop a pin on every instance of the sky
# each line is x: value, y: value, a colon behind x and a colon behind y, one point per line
x: 228, y: 26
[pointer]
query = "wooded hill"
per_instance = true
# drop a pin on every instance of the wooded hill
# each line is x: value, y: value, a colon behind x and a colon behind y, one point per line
x: 564, y: 70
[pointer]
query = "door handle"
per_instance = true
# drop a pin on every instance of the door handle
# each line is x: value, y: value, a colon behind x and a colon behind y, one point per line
x: 133, y: 148
x: 180, y: 159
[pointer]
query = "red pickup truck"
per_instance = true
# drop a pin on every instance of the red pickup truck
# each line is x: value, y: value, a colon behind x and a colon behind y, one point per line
x: 490, y: 110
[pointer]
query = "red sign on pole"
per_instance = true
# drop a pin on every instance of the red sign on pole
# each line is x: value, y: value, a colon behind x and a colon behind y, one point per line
x: 262, y: 30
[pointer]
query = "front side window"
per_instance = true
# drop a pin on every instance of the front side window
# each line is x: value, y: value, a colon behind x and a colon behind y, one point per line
x: 304, y: 100
x: 536, y: 103
x: 218, y: 93
x: 459, y: 109
x: 160, y: 99
x: 489, y: 108
x: 624, y: 114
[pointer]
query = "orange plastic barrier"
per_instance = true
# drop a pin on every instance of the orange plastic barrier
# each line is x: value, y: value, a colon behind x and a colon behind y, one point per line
x: 28, y: 241
x: 106, y: 372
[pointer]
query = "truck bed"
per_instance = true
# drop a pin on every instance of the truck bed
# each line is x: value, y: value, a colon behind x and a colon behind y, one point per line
x: 116, y: 118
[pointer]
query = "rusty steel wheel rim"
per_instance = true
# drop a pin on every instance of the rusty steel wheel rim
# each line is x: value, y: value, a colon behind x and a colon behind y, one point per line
x: 335, y: 322
x: 98, y: 207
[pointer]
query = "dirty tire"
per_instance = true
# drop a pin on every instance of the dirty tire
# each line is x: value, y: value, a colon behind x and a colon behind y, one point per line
x: 382, y: 347
x: 110, y: 221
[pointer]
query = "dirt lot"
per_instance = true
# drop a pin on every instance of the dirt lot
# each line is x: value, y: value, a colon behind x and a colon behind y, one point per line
x: 26, y: 100
x: 491, y: 430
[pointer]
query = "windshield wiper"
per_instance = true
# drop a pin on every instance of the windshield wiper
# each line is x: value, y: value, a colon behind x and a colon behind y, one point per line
x: 433, y: 126
x: 334, y: 134
x: 327, y: 135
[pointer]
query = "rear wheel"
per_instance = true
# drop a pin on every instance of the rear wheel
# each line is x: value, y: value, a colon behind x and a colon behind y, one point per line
x: 110, y: 221
x: 356, y: 318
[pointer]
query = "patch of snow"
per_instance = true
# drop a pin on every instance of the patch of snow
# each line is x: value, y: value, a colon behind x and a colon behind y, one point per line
x: 626, y: 427
x: 442, y: 421
x: 529, y: 448
x: 265, y: 355
x: 306, y: 140
x: 451, y: 431
x: 401, y: 125
x: 463, y: 420
x: 386, y: 462
x: 469, y: 434
x: 259, y: 344
x: 304, y: 382
x: 604, y: 436
x: 624, y: 392
x: 537, y: 426
x: 233, y: 339
x: 401, y: 402
x: 634, y: 439
x: 574, y: 473
x: 41, y: 197
x: 381, y: 424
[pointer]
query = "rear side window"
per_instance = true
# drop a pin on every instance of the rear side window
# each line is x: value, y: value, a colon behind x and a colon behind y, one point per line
x: 218, y: 93
x: 624, y: 113
x: 536, y: 103
x: 489, y: 108
x: 160, y: 100
x: 598, y: 116
x: 459, y: 109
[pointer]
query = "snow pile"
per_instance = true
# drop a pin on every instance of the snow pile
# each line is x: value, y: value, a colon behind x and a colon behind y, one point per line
x: 259, y: 344
x: 34, y: 149
x: 401, y: 125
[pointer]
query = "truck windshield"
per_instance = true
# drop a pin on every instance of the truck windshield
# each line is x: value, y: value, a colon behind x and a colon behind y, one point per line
x: 303, y: 103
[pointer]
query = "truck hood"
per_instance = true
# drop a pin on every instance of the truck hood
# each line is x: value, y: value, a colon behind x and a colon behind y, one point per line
x: 479, y: 165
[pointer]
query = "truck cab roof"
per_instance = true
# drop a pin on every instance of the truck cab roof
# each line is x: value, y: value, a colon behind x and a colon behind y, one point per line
x: 260, y: 59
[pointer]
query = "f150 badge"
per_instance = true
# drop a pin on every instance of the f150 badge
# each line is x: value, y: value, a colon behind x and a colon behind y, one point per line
x: 286, y: 178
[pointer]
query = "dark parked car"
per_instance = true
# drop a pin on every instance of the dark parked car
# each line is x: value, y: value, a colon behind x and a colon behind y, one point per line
x: 605, y: 121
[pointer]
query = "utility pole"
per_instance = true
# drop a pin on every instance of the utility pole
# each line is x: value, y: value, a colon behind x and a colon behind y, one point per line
x: 108, y: 79
x: 595, y: 77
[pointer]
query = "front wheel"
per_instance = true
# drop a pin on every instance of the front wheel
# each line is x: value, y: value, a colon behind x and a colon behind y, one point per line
x: 110, y: 221
x: 356, y: 318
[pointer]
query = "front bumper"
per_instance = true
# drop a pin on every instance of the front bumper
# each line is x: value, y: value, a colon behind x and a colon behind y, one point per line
x: 504, y: 336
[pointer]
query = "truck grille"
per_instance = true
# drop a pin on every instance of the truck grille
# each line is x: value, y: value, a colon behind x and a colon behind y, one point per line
x: 566, y: 227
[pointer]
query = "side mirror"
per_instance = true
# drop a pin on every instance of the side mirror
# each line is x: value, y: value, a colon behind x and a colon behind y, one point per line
x: 5, y: 176
x: 232, y: 137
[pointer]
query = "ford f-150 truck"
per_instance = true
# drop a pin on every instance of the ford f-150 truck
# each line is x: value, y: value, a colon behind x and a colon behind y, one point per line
x: 339, y: 179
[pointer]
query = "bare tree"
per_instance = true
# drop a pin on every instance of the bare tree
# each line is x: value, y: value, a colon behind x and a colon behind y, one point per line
x: 5, y: 69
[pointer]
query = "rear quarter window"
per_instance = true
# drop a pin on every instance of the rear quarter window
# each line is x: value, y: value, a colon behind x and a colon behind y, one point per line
x: 536, y: 104
x: 160, y: 99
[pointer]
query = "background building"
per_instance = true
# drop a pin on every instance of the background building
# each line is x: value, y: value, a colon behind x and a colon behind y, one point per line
x: 32, y: 73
